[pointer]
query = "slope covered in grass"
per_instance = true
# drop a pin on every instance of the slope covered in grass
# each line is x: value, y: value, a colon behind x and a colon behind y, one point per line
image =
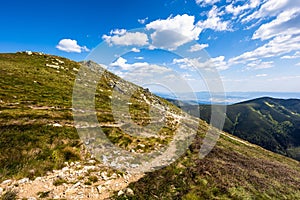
x: 37, y: 135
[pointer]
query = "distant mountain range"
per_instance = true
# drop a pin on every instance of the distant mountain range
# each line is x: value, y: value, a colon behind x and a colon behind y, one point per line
x: 227, y: 98
x: 268, y: 122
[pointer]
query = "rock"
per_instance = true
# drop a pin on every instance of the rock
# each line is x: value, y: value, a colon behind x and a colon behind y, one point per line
x: 76, y: 185
x: 92, y: 162
x: 24, y: 180
x: 70, y: 191
x: 52, y: 66
x: 100, y: 189
x: 120, y: 193
x: 31, y: 198
x: 56, y: 125
x: 114, y: 176
x: 65, y: 169
x: 108, y: 182
x: 141, y: 145
x: 87, y: 168
x: 56, y: 197
x: 129, y: 192
x: 28, y: 53
x: 6, y: 182
x: 38, y: 178
x: 104, y: 176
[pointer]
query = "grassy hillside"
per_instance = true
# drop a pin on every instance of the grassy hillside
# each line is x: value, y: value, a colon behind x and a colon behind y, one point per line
x: 271, y: 123
x: 233, y: 170
x: 37, y: 134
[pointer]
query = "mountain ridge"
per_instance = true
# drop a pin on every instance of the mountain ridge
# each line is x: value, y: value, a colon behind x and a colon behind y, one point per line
x: 275, y: 122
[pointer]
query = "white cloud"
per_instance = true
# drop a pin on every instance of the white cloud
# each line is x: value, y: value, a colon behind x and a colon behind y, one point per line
x: 206, y: 2
x: 139, y: 67
x: 236, y: 10
x: 122, y: 63
x: 139, y: 58
x: 127, y: 39
x: 296, y: 55
x: 261, y: 75
x: 214, y: 21
x: 258, y: 64
x: 174, y: 31
x: 270, y: 8
x: 198, y: 47
x: 218, y: 63
x: 276, y: 47
x: 69, y: 45
x: 143, y: 21
x: 298, y: 64
x: 135, y: 50
x: 286, y: 23
x: 281, y: 31
x: 118, y: 32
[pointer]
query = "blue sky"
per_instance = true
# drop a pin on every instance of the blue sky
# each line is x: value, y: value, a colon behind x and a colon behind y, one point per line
x: 253, y: 44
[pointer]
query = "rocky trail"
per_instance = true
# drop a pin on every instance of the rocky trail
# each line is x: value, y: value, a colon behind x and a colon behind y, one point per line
x: 77, y: 180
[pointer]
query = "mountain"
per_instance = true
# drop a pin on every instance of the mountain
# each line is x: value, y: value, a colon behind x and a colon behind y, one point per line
x: 48, y: 145
x: 271, y: 123
x: 231, y: 97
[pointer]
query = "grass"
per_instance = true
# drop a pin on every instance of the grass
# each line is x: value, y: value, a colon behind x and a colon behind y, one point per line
x: 232, y: 170
x: 9, y: 195
x: 59, y: 181
x: 34, y: 97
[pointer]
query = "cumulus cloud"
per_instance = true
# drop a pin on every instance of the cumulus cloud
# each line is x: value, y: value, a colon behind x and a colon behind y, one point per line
x: 214, y: 21
x: 218, y: 63
x: 69, y: 45
x: 143, y: 67
x: 143, y: 21
x: 198, y: 47
x: 118, y: 32
x: 126, y: 39
x: 174, y: 31
x: 135, y: 50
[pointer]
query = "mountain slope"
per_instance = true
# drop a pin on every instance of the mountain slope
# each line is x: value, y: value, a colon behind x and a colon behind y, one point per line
x: 271, y: 123
x: 38, y: 140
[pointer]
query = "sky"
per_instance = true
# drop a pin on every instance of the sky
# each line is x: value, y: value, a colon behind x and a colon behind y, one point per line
x: 238, y: 45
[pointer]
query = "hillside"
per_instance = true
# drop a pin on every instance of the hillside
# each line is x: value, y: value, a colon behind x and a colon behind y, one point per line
x: 271, y: 123
x: 42, y: 155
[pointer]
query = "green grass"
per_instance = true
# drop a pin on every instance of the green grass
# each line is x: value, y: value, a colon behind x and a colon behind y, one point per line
x: 34, y: 96
x: 230, y: 171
